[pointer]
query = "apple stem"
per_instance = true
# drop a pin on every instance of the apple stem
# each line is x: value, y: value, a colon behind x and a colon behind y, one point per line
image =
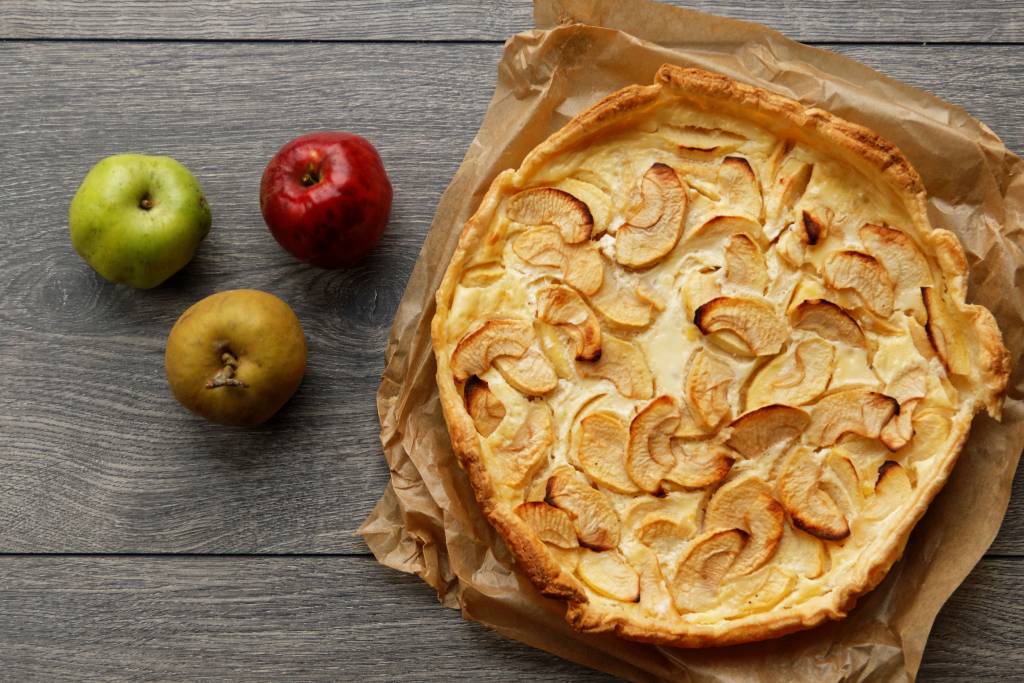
x: 146, y: 203
x: 225, y: 377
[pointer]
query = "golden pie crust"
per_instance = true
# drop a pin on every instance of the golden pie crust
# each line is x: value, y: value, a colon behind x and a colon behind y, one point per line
x: 706, y: 362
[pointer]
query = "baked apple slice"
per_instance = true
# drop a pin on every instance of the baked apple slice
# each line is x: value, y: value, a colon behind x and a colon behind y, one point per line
x: 519, y: 457
x: 551, y: 525
x: 698, y: 464
x: 548, y: 206
x: 740, y: 190
x: 746, y: 503
x: 707, y: 387
x: 604, y: 437
x: 655, y: 227
x: 623, y: 364
x: 597, y: 526
x: 767, y: 430
x: 849, y: 411
x: 483, y: 406
x: 828, y: 321
x: 808, y: 505
x: 795, y: 378
x: 610, y: 575
x: 476, y: 351
x: 744, y: 264
x: 531, y: 374
x: 903, y: 261
x: 696, y: 582
x: 562, y: 306
x: 942, y: 332
x: 864, y: 276
x: 649, y: 454
x: 580, y: 265
x: 754, y: 322
x: 892, y: 490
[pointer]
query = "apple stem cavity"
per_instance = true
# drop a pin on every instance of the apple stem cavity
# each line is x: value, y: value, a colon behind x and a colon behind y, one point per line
x: 146, y: 203
x: 225, y: 377
x: 311, y: 176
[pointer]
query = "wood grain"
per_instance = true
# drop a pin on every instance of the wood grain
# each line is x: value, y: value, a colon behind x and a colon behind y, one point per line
x: 277, y: 619
x: 95, y: 454
x: 877, y: 21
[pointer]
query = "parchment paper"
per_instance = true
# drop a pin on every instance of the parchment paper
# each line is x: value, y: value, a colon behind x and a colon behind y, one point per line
x: 428, y: 522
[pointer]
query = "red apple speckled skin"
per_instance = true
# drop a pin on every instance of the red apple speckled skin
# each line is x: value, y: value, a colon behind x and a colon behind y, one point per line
x: 326, y: 198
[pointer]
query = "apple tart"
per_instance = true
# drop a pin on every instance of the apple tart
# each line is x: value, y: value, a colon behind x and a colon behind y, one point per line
x: 706, y: 363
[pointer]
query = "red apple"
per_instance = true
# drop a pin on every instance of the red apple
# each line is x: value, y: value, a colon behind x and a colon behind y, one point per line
x: 326, y: 198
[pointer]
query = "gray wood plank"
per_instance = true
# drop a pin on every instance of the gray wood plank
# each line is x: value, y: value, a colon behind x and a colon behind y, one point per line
x: 255, y: 619
x: 95, y: 454
x: 806, y: 20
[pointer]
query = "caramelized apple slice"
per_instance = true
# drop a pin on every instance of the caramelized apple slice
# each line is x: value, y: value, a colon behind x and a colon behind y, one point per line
x: 755, y: 322
x: 654, y: 229
x: 701, y: 285
x: 744, y: 264
x: 483, y: 406
x: 808, y: 505
x: 609, y: 575
x: 892, y: 490
x: 707, y: 387
x: 477, y: 349
x: 796, y: 378
x: 943, y: 334
x: 622, y: 363
x: 806, y: 233
x: 698, y: 464
x: 596, y: 198
x: 747, y: 504
x: 520, y: 456
x: 559, y: 305
x: 548, y: 206
x: 863, y: 275
x: 602, y: 452
x: 858, y: 411
x: 740, y: 190
x: 828, y: 321
x: 549, y: 523
x: 899, y: 430
x: 649, y: 455
x: 593, y: 517
x: 767, y: 430
x: 902, y: 259
x: 696, y: 582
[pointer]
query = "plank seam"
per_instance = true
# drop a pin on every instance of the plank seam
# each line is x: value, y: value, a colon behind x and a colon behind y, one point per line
x: 457, y: 41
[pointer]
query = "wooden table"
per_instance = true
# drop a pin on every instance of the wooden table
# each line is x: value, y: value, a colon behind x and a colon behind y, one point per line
x: 137, y: 541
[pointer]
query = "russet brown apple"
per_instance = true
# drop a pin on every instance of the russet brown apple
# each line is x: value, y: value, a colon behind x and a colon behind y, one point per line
x: 236, y: 357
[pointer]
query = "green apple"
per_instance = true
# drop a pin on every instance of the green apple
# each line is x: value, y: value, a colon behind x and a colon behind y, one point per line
x: 138, y: 219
